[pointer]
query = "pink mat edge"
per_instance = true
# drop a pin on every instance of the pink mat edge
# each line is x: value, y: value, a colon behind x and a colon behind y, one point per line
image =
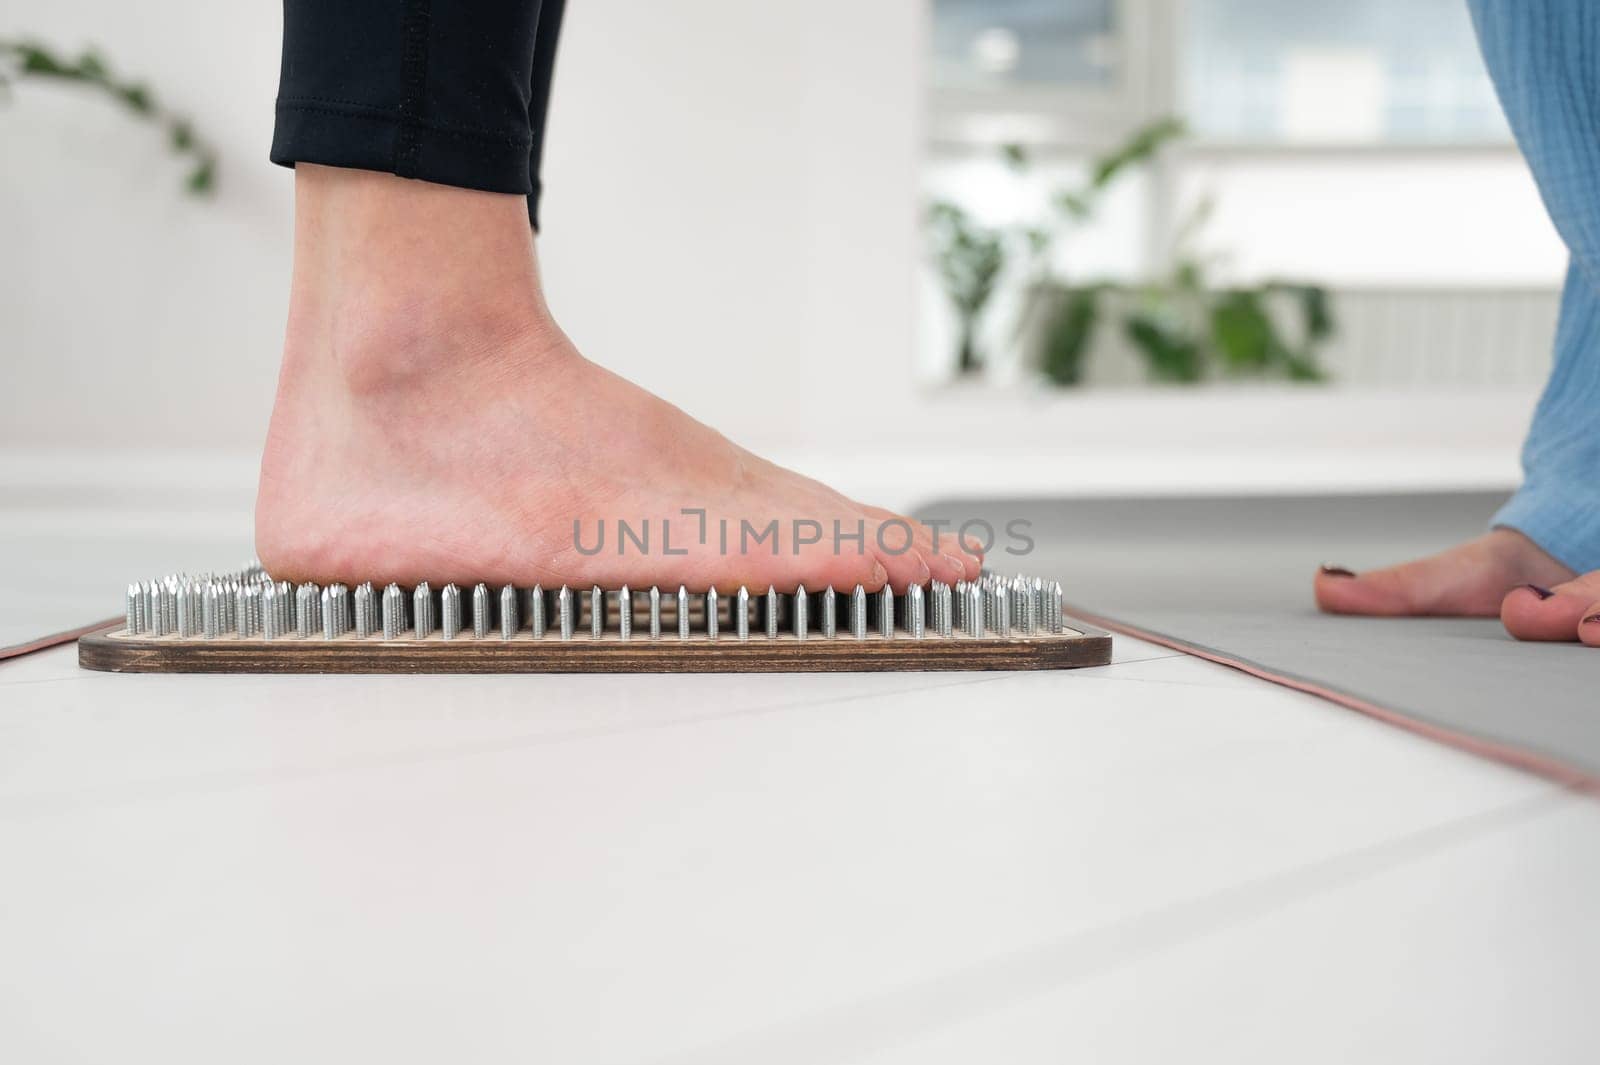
x: 55, y: 639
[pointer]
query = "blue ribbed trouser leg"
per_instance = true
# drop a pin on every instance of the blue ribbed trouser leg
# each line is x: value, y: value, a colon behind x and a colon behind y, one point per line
x: 1544, y: 56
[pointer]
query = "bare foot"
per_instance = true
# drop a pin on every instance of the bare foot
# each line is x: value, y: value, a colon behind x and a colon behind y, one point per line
x: 1468, y: 580
x: 433, y: 423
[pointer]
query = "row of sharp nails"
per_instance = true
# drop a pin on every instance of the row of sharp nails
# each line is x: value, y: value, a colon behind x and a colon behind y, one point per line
x: 249, y: 604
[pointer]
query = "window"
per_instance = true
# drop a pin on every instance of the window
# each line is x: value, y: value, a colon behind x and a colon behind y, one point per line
x: 1356, y: 144
x: 1242, y: 72
x: 985, y: 44
x: 1353, y: 72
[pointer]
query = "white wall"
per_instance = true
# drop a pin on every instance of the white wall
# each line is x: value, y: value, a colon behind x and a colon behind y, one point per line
x: 1466, y: 218
x: 730, y: 217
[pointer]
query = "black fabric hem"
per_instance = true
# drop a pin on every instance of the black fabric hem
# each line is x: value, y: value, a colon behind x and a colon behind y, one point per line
x: 333, y: 135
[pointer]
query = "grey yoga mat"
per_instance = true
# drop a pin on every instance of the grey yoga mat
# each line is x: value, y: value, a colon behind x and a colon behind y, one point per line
x: 1230, y: 579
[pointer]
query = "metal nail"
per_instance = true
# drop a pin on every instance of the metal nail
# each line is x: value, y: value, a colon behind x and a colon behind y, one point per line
x: 305, y: 611
x: 800, y: 619
x: 168, y: 598
x: 211, y: 611
x: 712, y: 620
x: 158, y: 617
x: 915, y: 618
x: 329, y: 610
x: 536, y: 612
x: 625, y: 613
x: 565, y: 612
x: 886, y: 613
x: 255, y: 606
x: 135, y: 615
x: 597, y: 612
x: 450, y: 610
x: 683, y: 612
x: 284, y: 602
x: 772, y: 612
x: 655, y: 612
x: 482, y: 605
x: 188, y: 623
x: 422, y: 611
x: 367, y: 619
x: 271, y: 625
x: 830, y: 613
x: 509, y: 622
x: 858, y: 613
x: 247, y: 610
x: 394, y: 612
x: 741, y: 614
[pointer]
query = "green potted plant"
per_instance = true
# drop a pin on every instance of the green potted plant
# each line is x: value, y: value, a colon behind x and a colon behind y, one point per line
x: 1184, y: 327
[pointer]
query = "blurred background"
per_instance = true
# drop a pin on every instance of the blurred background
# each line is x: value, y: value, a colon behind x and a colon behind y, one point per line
x: 917, y: 247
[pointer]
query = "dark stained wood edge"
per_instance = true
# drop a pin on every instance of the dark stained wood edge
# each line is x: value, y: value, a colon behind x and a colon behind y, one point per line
x: 105, y: 652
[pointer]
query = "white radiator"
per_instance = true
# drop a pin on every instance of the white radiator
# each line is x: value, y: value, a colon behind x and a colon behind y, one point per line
x: 1455, y: 337
x: 1395, y: 338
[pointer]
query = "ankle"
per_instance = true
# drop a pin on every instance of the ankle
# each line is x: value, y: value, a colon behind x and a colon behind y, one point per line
x: 396, y: 281
x: 395, y: 343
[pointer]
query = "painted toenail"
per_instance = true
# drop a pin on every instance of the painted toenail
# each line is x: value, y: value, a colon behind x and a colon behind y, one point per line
x: 1336, y: 571
x: 1542, y: 593
x: 1592, y: 619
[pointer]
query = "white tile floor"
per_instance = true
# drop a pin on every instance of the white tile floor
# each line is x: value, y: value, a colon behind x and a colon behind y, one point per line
x: 1158, y: 860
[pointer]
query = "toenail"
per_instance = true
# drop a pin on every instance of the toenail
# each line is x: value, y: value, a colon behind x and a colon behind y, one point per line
x: 1336, y: 571
x: 1592, y: 619
x: 1542, y: 593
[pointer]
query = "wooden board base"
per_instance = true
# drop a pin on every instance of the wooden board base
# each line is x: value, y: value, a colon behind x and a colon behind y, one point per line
x: 110, y: 650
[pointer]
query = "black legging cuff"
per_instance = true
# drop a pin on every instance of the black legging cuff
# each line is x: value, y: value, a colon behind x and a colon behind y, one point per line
x: 337, y: 135
x: 445, y: 91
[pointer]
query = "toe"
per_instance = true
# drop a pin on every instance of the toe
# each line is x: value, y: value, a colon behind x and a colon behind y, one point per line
x: 957, y: 567
x: 893, y: 542
x: 1557, y: 613
x: 841, y: 570
x: 1390, y: 592
x: 936, y: 564
x: 967, y: 554
x: 1589, y: 627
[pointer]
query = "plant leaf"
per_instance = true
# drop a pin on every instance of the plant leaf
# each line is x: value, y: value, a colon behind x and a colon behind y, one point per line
x: 1067, y: 336
x: 1243, y: 333
x: 137, y: 97
x: 1138, y: 148
x: 1169, y: 354
x: 203, y: 178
